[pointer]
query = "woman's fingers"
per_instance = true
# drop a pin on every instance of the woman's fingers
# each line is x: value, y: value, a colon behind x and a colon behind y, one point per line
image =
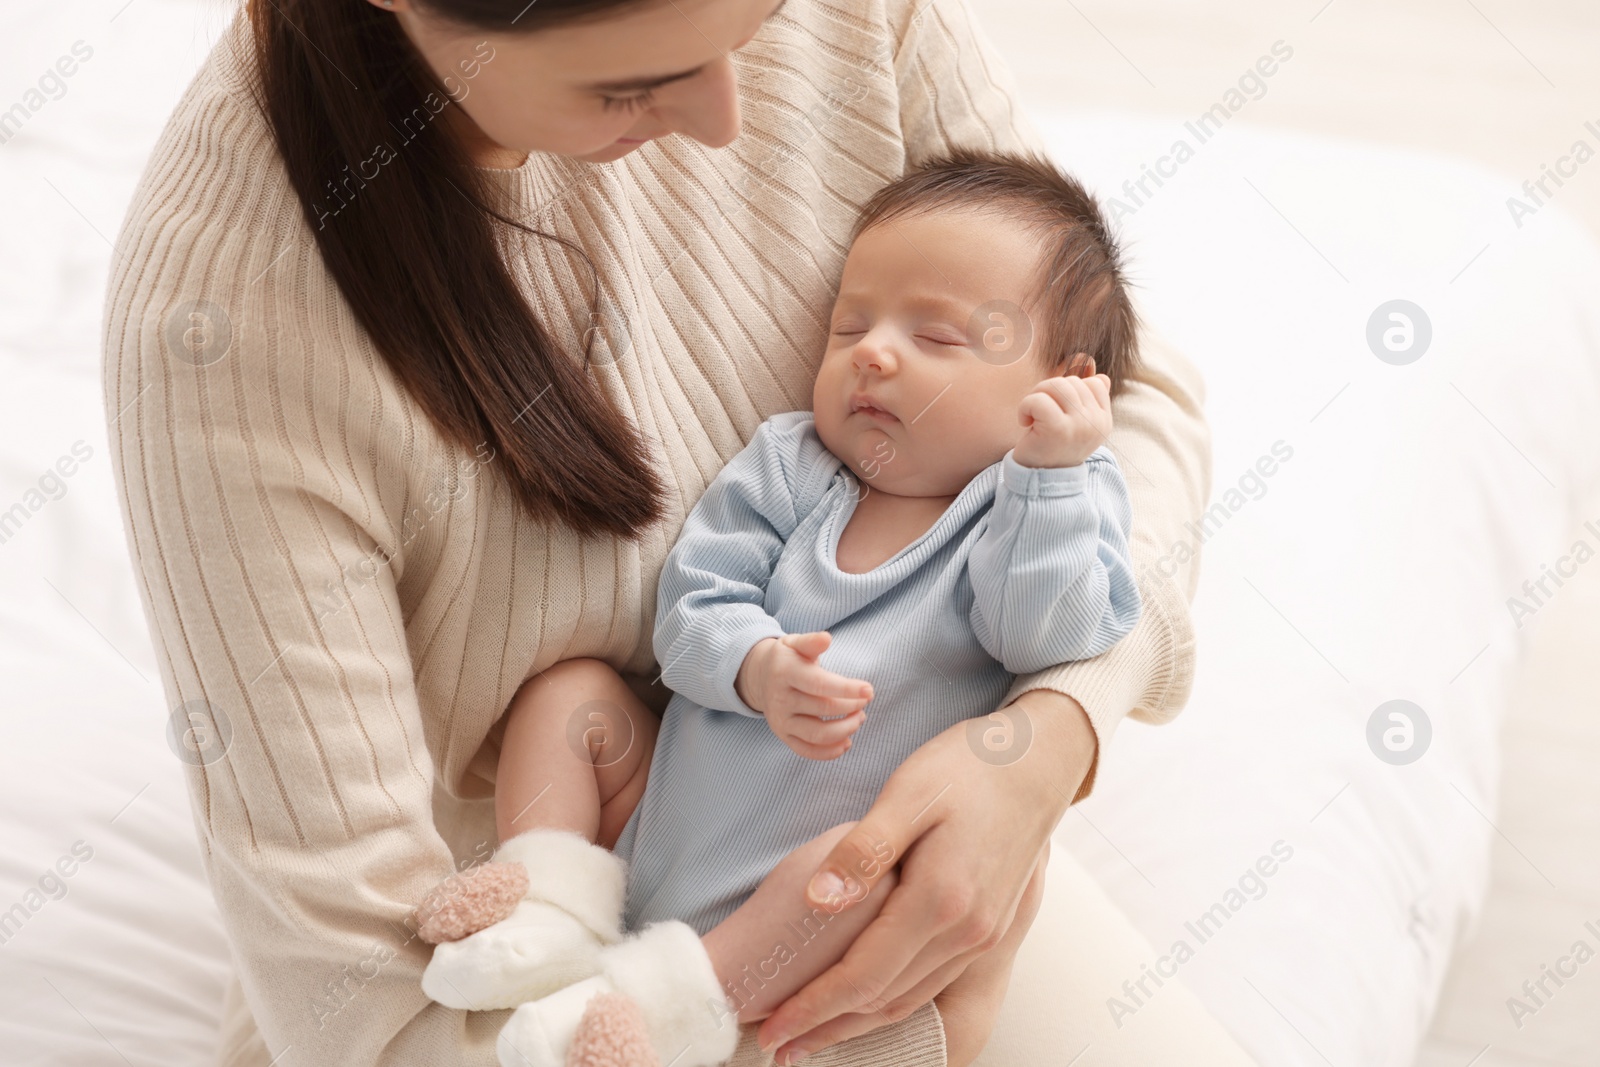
x: 897, y: 1006
x: 900, y: 815
x: 884, y: 950
x: 830, y: 1033
x: 1004, y: 935
x: 855, y: 1023
x: 856, y: 983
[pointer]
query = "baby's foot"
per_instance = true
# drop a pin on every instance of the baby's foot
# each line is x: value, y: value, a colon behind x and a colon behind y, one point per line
x: 665, y: 972
x: 536, y: 950
x: 612, y: 1033
x: 570, y: 910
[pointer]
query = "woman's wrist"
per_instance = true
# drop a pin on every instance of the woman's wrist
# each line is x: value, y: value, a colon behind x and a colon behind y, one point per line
x: 1062, y: 745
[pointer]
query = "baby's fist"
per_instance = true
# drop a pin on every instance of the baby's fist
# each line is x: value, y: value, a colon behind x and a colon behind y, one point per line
x: 1064, y: 420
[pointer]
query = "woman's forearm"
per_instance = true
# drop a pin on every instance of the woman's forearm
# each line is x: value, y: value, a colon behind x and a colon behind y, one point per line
x: 1062, y: 746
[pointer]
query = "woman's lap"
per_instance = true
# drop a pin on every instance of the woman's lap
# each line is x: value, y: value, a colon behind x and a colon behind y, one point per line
x: 1079, y: 951
x: 1076, y: 956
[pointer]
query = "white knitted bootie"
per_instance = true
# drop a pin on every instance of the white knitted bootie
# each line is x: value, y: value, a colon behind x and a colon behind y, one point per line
x: 572, y: 908
x: 665, y: 971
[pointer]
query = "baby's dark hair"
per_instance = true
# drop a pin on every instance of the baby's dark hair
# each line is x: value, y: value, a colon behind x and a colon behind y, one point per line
x: 1082, y: 286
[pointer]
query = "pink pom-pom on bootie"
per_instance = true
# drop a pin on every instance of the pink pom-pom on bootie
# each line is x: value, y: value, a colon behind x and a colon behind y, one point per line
x: 612, y: 1033
x: 471, y: 901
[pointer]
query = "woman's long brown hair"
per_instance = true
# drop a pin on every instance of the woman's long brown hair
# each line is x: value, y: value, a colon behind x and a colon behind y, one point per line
x: 414, y: 253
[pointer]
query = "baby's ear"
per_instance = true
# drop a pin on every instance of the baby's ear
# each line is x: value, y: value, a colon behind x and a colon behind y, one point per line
x: 1079, y: 366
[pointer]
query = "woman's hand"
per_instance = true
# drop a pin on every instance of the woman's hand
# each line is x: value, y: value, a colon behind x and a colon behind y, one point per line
x: 967, y: 823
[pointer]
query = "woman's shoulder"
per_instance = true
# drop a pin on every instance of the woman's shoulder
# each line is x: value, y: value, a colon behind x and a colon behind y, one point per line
x: 214, y: 207
x: 226, y: 345
x: 215, y: 173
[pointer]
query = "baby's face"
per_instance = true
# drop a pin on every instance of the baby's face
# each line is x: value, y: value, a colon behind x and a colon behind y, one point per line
x: 917, y: 391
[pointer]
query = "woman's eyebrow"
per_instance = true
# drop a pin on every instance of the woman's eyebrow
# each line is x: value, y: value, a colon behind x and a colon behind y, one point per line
x: 633, y: 85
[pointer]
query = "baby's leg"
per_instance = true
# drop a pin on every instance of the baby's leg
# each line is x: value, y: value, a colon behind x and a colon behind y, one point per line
x: 776, y: 942
x: 575, y: 755
x: 572, y: 767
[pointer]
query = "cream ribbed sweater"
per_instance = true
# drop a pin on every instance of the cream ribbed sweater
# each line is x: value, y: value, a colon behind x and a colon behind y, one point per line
x: 356, y: 600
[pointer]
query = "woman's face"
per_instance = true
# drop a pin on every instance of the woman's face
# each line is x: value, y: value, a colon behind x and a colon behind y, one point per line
x: 595, y: 89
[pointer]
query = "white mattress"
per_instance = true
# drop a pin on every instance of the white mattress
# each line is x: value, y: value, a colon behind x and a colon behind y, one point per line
x: 1373, y: 564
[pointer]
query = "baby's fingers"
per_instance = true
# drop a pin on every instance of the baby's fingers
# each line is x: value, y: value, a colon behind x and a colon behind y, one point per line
x: 820, y: 682
x: 794, y: 702
x: 1100, y: 386
x: 825, y: 732
x: 816, y: 739
x: 816, y: 752
x: 1039, y: 406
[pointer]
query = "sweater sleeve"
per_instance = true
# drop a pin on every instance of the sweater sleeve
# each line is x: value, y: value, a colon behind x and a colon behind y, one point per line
x: 267, y: 569
x: 710, y: 606
x: 955, y: 90
x: 1051, y: 577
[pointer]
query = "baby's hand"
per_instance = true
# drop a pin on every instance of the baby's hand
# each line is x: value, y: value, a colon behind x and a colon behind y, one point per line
x: 1066, y: 418
x: 780, y: 678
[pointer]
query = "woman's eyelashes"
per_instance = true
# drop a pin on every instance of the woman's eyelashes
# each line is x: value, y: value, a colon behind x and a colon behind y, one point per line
x: 627, y: 103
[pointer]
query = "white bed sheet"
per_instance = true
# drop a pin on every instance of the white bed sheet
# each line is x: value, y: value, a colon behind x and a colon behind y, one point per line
x: 1374, y: 566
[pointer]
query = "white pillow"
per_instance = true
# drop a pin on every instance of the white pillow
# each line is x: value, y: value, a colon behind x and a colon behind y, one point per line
x: 1405, y: 504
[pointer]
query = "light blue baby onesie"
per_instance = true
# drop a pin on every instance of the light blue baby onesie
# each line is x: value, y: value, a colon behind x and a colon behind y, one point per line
x: 1026, y: 569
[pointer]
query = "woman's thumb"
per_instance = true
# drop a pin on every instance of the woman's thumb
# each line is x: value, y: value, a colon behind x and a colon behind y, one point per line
x: 858, y: 861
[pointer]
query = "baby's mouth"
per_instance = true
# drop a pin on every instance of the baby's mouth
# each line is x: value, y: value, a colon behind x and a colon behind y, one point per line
x: 863, y: 406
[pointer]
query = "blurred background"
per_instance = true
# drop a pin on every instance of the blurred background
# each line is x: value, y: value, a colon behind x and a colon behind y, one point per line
x: 1384, y: 150
x: 1510, y: 87
x: 1507, y: 85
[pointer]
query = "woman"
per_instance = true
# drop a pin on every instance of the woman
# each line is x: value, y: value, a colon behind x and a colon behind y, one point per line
x: 431, y: 321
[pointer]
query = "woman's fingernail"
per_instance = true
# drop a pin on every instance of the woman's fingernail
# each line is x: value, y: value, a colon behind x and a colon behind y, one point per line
x: 796, y: 1056
x: 825, y: 887
x: 774, y: 1044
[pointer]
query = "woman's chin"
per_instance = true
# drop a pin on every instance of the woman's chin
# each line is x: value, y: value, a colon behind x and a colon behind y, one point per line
x: 615, y: 150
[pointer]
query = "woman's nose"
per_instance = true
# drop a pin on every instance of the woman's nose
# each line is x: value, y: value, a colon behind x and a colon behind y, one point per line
x: 707, y: 106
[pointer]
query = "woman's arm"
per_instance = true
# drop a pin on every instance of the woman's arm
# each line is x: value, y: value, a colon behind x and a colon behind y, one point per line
x: 265, y: 521
x: 955, y: 91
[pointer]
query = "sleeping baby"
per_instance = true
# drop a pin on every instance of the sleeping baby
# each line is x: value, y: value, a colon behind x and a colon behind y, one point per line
x: 860, y: 578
